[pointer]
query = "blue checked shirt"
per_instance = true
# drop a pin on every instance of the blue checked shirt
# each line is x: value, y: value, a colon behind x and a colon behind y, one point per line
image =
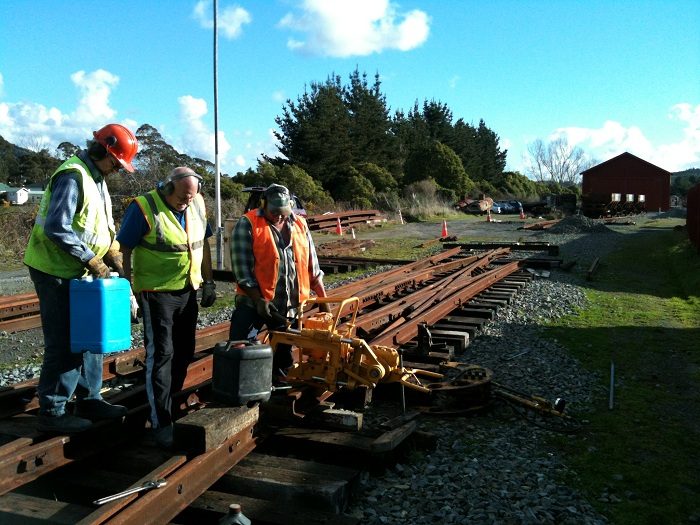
x: 287, y: 289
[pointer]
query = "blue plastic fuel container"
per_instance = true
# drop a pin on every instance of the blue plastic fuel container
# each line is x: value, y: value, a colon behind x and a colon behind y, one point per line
x: 100, y: 315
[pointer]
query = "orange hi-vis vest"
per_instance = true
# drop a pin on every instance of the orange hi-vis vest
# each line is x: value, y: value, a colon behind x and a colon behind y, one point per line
x: 267, y: 258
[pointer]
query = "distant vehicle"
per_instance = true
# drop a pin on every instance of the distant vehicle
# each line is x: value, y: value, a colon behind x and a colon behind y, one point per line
x: 496, y: 208
x: 256, y: 193
x: 564, y: 202
x: 503, y: 206
x: 508, y: 207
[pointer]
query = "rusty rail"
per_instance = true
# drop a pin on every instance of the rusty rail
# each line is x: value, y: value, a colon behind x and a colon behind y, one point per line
x: 542, y: 225
x: 392, y: 306
x: 405, y: 328
x: 348, y: 218
x: 19, y: 312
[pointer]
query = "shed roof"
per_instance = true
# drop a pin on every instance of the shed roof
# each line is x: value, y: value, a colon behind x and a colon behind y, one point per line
x: 622, y: 157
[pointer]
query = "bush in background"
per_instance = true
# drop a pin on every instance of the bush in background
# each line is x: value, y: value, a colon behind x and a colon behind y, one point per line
x: 16, y: 224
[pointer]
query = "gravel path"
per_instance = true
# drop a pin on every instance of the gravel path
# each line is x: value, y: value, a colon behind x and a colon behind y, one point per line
x: 491, y: 468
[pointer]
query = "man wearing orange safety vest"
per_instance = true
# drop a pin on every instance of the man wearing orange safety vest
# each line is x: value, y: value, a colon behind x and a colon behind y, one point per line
x: 276, y: 268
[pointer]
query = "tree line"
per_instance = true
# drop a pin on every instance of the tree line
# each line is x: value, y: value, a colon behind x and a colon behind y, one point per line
x: 337, y: 143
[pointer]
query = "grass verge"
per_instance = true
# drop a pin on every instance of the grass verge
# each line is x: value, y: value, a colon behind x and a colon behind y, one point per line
x: 639, y: 462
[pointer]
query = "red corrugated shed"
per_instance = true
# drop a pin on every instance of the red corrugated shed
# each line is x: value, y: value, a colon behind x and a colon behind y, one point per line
x: 628, y: 175
x: 692, y: 220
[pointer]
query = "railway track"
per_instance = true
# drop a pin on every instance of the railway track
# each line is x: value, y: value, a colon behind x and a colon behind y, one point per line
x: 19, y: 312
x: 429, y: 308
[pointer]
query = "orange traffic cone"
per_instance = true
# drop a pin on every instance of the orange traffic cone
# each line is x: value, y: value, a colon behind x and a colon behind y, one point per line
x: 444, y: 229
x: 488, y: 216
x: 338, y: 227
x: 522, y: 213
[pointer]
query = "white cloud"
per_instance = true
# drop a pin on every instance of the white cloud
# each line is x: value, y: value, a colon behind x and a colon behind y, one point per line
x: 279, y: 96
x: 361, y: 27
x: 32, y: 122
x: 453, y: 81
x: 229, y: 21
x: 613, y: 138
x: 196, y: 138
x: 95, y: 89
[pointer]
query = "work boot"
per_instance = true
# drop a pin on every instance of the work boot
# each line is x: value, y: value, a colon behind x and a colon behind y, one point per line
x: 164, y: 437
x: 97, y: 409
x: 63, y: 424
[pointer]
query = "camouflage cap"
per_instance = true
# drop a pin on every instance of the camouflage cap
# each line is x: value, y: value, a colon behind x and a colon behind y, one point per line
x: 278, y: 200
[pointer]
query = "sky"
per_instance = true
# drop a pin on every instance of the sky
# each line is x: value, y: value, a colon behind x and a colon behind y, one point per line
x: 609, y: 75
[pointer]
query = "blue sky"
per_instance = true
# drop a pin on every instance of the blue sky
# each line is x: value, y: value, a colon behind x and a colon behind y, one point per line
x: 611, y: 76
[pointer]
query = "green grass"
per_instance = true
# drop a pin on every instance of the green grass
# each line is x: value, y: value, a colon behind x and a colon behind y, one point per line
x: 644, y: 315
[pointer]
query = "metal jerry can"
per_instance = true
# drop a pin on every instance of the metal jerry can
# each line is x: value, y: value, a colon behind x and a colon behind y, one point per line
x: 242, y: 372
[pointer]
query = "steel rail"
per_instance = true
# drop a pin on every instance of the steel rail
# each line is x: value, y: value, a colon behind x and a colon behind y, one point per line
x: 406, y: 328
x: 185, y: 483
x: 377, y: 319
x: 19, y: 312
x: 22, y: 397
x: 372, y: 290
x: 31, y: 454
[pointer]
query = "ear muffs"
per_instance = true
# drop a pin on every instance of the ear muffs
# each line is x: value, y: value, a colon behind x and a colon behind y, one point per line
x: 168, y: 185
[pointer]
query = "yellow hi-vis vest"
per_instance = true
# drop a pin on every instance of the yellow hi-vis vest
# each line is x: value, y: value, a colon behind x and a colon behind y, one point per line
x: 92, y: 223
x: 267, y: 258
x: 169, y: 258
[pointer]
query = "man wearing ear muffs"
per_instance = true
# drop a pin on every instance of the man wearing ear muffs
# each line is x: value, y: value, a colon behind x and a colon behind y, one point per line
x: 72, y: 237
x: 276, y: 267
x: 164, y: 239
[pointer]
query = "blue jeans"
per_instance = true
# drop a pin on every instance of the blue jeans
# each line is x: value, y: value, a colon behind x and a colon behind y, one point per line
x: 63, y: 372
x: 245, y: 325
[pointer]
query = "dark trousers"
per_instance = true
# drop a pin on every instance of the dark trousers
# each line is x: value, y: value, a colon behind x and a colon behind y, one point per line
x: 62, y: 371
x: 169, y: 325
x: 245, y: 325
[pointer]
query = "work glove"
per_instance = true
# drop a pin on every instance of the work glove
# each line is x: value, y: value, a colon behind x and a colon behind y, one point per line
x: 264, y: 308
x: 135, y: 308
x: 208, y: 294
x: 114, y: 259
x: 98, y: 268
x: 324, y: 307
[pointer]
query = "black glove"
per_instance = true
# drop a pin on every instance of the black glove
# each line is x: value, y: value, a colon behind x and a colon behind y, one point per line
x: 264, y: 308
x: 208, y: 294
x: 324, y: 307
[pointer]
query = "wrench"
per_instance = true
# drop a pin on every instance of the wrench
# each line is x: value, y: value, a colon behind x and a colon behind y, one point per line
x: 147, y: 485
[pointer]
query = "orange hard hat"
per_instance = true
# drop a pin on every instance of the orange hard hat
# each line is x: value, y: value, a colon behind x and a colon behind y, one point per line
x: 119, y: 142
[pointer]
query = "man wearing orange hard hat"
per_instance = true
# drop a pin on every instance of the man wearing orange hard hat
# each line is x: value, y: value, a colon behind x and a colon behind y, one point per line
x: 74, y: 236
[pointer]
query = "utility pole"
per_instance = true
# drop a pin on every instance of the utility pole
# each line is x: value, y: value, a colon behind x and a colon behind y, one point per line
x: 219, y: 227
